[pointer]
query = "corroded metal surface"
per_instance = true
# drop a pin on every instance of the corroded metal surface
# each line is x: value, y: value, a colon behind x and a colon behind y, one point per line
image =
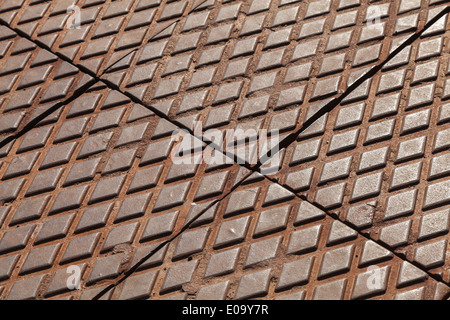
x: 105, y: 179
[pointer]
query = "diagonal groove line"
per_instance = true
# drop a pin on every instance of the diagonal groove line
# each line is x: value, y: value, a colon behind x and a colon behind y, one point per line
x: 336, y: 101
x: 35, y: 121
x: 133, y: 269
x: 446, y: 296
x: 82, y: 90
x: 335, y: 217
x: 113, y: 86
x: 283, y: 144
x: 329, y: 107
x: 76, y: 94
x: 286, y: 141
x: 215, y: 146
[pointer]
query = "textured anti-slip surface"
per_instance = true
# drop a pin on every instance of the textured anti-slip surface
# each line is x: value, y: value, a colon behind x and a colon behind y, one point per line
x: 267, y: 243
x: 244, y: 64
x: 107, y: 189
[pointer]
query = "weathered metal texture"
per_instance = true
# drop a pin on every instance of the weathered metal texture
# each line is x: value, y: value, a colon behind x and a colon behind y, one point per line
x: 267, y: 243
x: 383, y: 164
x: 97, y: 183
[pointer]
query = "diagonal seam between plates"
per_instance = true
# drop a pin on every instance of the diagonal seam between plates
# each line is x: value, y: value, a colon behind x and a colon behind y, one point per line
x: 136, y: 266
x: 113, y: 86
x: 335, y: 217
x: 75, y: 95
x: 78, y: 92
x: 336, y: 101
x: 133, y: 268
x: 283, y: 144
x: 286, y: 141
x: 36, y: 120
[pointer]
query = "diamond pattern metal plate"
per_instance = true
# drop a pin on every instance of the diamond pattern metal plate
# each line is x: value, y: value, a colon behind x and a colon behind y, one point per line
x: 100, y: 180
x: 359, y: 208
x: 32, y: 81
x: 267, y: 243
x: 228, y: 64
x: 383, y: 164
